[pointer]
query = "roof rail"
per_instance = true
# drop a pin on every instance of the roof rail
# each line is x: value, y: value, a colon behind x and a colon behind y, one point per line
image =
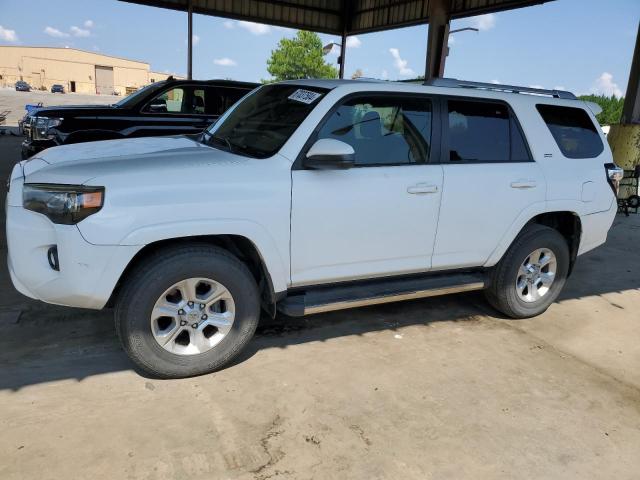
x: 454, y: 83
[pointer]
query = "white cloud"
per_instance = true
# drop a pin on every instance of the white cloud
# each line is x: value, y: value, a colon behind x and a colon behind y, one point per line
x: 8, y: 35
x: 228, y: 24
x: 88, y: 23
x: 195, y: 39
x: 400, y: 64
x: 353, y: 42
x: 54, y: 32
x: 540, y: 87
x: 496, y: 82
x: 484, y: 22
x: 255, y: 28
x: 385, y: 75
x: 79, y: 32
x: 225, y: 62
x: 559, y: 87
x: 605, y: 85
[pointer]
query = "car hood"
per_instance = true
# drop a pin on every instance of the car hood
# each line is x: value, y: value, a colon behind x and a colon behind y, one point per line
x: 71, y: 110
x: 79, y: 163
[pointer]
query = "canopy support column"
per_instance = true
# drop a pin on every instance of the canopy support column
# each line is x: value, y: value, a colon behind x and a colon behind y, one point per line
x: 343, y: 50
x: 190, y: 41
x: 631, y: 109
x: 439, y: 17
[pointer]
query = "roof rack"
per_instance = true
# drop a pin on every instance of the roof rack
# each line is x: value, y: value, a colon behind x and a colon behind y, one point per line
x: 454, y: 83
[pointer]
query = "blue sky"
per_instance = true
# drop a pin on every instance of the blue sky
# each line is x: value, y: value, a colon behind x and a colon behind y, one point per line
x: 576, y: 44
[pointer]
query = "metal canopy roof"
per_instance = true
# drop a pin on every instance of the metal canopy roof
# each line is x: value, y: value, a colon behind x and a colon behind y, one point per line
x: 339, y: 17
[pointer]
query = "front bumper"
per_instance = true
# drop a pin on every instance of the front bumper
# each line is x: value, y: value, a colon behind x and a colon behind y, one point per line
x: 88, y: 273
x: 31, y: 147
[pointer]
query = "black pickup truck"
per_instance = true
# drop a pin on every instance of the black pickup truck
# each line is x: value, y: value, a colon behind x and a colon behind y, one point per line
x: 170, y: 107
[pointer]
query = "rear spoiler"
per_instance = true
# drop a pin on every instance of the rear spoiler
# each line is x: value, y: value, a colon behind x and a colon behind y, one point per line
x: 594, y: 107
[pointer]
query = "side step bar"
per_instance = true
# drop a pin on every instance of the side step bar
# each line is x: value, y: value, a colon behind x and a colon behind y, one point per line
x: 352, y: 295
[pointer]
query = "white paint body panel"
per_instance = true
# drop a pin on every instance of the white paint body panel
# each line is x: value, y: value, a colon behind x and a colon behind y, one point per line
x: 346, y: 224
x: 308, y: 226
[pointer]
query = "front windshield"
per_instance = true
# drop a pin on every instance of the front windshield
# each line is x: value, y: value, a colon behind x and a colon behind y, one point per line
x: 263, y: 121
x: 133, y: 98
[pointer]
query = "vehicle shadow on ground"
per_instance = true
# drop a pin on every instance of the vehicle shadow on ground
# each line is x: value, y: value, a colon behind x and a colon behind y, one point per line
x: 47, y: 345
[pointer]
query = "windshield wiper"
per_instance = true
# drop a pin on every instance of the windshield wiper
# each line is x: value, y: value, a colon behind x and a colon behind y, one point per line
x: 225, y: 140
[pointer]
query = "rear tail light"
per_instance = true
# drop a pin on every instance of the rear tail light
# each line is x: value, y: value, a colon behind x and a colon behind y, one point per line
x: 614, y: 176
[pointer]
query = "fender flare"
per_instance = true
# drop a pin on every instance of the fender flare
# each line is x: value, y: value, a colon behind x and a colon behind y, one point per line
x: 263, y: 241
x: 574, y: 206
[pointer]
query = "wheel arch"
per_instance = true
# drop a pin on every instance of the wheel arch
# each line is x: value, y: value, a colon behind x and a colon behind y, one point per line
x: 568, y: 224
x: 239, y: 246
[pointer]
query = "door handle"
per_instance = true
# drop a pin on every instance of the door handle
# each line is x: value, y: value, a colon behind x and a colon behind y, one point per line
x: 524, y: 184
x: 421, y: 188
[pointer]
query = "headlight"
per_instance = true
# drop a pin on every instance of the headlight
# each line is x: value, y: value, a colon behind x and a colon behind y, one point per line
x: 41, y: 126
x: 63, y: 204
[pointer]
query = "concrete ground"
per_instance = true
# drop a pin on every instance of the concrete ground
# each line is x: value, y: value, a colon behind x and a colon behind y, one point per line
x: 442, y: 388
x: 15, y: 101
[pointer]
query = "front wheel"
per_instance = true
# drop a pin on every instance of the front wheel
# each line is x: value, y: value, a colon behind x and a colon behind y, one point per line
x: 187, y: 311
x: 531, y: 274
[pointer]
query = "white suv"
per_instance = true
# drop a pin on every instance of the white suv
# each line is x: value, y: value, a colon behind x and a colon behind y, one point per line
x: 310, y: 196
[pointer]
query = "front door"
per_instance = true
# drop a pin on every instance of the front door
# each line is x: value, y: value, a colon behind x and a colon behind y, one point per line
x: 378, y: 218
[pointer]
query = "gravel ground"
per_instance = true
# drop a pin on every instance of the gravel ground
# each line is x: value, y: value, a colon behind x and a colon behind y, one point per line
x: 442, y: 388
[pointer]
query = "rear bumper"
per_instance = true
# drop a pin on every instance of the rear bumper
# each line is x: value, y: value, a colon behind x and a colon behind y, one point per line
x: 595, y: 228
x: 88, y: 273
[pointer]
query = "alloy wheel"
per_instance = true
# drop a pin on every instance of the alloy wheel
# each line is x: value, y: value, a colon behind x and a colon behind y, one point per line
x: 192, y: 316
x: 536, y: 275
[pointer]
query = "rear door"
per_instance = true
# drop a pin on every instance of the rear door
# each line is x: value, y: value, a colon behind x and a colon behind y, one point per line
x: 489, y: 179
x: 379, y: 217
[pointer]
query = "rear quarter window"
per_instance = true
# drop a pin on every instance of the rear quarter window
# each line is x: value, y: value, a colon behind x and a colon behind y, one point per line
x: 573, y: 131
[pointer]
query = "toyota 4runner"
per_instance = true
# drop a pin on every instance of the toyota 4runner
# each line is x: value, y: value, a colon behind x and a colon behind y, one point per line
x: 311, y: 196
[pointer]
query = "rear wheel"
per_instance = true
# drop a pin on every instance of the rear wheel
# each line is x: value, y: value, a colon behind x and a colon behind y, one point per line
x: 531, y: 274
x: 186, y: 311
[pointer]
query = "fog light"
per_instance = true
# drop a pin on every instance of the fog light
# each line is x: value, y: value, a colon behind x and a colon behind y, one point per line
x: 52, y: 256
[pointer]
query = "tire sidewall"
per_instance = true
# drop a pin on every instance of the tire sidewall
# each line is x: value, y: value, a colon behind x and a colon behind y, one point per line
x: 548, y: 239
x: 134, y: 313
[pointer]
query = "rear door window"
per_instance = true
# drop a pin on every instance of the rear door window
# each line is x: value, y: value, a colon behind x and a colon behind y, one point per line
x: 481, y: 132
x: 219, y: 99
x: 573, y: 131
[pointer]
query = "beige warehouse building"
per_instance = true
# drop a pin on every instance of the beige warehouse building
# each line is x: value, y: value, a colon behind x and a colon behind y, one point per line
x: 77, y: 70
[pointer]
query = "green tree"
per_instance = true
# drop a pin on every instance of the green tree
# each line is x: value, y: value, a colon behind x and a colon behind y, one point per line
x: 300, y: 57
x: 611, y: 107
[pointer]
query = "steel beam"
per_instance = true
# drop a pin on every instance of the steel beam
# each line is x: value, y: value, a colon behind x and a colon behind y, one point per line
x: 439, y: 18
x: 190, y: 40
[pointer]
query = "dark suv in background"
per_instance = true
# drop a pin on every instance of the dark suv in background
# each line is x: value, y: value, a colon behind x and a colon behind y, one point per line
x: 170, y: 107
x: 57, y: 88
x: 22, y: 86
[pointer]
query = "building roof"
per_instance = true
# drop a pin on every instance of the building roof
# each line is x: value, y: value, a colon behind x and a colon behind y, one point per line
x: 66, y: 49
x: 336, y: 16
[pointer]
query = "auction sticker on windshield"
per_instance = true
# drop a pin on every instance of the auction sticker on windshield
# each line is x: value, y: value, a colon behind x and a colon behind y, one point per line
x: 304, y: 96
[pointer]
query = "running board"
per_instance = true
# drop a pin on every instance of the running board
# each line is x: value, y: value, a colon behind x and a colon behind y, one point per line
x: 338, y: 297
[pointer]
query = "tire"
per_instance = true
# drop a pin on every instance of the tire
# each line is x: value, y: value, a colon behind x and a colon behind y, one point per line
x: 633, y: 201
x: 504, y: 292
x: 150, y: 288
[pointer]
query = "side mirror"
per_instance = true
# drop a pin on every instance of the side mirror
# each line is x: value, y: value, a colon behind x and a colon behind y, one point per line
x: 330, y: 154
